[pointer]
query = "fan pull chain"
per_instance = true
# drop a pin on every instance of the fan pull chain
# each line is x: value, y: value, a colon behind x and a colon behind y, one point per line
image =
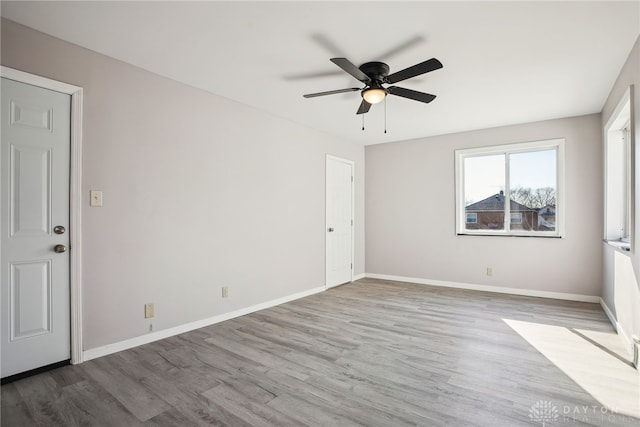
x: 385, y: 114
x: 362, y: 121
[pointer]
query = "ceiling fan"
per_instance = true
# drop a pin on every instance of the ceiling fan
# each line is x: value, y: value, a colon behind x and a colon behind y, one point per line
x: 375, y: 74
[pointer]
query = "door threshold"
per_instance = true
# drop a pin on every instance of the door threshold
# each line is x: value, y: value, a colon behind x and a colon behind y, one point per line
x: 25, y: 374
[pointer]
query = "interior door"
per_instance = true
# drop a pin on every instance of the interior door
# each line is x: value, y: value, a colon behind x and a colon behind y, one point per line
x: 34, y: 217
x: 339, y: 221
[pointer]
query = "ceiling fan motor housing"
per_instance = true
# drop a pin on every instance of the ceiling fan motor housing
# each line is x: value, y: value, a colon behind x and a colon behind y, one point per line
x: 377, y: 71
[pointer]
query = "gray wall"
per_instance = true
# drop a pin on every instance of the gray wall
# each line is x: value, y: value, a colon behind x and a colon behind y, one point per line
x: 621, y: 291
x: 410, y: 214
x: 199, y: 192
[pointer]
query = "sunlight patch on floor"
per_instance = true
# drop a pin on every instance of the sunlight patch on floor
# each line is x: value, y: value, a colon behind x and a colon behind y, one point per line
x: 609, y: 340
x: 596, y: 362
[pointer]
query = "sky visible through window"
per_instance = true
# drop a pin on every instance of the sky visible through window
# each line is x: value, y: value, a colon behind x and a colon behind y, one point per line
x: 485, y: 175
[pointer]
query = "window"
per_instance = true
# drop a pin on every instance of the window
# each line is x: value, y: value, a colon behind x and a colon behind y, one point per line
x: 618, y: 169
x: 510, y: 190
x: 516, y: 217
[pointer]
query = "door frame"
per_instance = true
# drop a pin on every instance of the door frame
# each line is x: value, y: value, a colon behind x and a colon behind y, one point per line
x: 75, y: 198
x: 353, y: 211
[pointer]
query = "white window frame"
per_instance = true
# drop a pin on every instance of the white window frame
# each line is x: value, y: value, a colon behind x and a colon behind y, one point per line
x: 475, y: 217
x: 619, y: 209
x: 507, y: 149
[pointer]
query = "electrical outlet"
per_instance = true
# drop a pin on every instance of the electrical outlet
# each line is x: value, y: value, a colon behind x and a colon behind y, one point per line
x: 149, y: 310
x: 225, y: 291
x: 489, y: 271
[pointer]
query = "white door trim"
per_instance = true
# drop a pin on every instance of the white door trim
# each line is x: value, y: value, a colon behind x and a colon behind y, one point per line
x: 75, y: 197
x: 353, y: 211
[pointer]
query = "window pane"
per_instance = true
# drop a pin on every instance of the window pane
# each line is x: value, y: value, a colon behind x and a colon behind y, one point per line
x: 484, y: 191
x: 532, y: 180
x: 618, y: 194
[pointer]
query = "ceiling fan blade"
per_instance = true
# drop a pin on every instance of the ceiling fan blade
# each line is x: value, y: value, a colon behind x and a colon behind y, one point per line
x: 416, y: 70
x: 331, y: 92
x: 402, y: 47
x: 364, y: 107
x: 411, y: 94
x: 318, y: 74
x: 328, y: 44
x: 347, y: 66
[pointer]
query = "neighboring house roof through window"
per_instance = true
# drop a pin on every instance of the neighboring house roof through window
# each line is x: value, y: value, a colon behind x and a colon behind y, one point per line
x: 496, y: 203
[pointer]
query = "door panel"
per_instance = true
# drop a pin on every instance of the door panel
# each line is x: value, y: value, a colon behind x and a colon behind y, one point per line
x: 29, y: 299
x: 34, y: 196
x: 30, y: 116
x: 29, y: 184
x: 339, y: 205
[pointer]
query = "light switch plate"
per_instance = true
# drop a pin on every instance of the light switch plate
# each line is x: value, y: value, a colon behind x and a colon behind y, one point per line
x: 149, y: 311
x: 95, y: 199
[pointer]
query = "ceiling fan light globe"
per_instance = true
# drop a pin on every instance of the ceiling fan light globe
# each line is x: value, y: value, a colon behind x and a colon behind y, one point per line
x: 374, y: 95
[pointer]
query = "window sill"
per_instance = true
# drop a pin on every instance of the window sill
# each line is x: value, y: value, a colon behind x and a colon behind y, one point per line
x: 623, y: 246
x: 499, y: 234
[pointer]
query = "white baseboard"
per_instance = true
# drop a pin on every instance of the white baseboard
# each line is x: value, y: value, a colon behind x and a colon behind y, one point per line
x: 358, y: 277
x: 627, y: 342
x: 498, y: 289
x: 609, y: 314
x: 166, y: 333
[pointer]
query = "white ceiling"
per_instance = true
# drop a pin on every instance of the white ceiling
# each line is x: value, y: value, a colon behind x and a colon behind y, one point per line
x: 504, y: 62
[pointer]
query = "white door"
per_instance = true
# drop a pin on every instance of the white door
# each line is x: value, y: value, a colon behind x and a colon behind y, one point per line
x: 34, y: 216
x: 339, y: 221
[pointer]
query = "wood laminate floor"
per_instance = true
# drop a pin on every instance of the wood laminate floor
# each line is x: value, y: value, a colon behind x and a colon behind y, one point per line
x: 372, y: 353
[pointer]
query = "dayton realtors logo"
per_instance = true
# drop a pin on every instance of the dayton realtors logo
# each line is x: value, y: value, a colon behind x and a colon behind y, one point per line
x: 543, y: 412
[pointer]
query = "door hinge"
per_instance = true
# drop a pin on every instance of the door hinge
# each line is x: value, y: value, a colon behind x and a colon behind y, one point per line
x: 351, y: 178
x: 352, y: 223
x: 352, y: 266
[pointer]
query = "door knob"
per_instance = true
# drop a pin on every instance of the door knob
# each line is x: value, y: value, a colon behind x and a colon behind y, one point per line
x: 58, y: 229
x: 59, y: 249
x: 330, y: 229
